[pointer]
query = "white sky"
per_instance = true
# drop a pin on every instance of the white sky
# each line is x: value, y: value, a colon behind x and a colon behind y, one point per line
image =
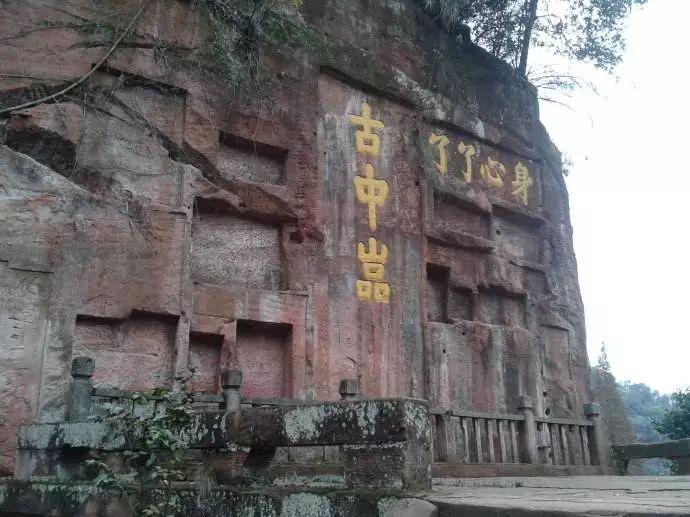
x: 630, y: 194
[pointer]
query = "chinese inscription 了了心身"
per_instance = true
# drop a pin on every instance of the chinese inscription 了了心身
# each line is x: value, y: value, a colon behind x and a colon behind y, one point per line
x: 492, y: 172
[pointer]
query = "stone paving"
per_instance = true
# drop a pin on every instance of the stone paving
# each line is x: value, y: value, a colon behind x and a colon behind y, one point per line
x: 583, y: 496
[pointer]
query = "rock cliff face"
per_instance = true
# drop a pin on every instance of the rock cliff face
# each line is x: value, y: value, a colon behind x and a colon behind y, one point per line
x: 314, y: 192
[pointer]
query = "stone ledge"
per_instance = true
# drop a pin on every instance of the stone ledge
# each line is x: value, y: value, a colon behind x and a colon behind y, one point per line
x: 82, y: 500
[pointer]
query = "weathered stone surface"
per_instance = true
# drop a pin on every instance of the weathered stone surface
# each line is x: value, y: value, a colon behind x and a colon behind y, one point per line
x: 172, y: 227
x: 385, y: 443
x: 543, y: 497
x: 407, y: 508
x: 79, y: 500
x: 505, y: 497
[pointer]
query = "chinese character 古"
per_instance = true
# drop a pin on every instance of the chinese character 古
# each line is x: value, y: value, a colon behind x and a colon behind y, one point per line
x: 366, y: 141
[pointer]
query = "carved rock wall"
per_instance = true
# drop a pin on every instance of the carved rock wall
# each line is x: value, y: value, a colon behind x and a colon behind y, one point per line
x: 171, y: 226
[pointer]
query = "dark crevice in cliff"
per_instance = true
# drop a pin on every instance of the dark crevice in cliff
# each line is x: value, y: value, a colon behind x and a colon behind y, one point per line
x: 55, y: 152
x: 21, y: 95
x: 129, y: 79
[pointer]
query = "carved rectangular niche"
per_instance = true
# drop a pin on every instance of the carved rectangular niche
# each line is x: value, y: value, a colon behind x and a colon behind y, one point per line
x: 451, y: 214
x: 132, y: 354
x: 460, y: 304
x: 498, y: 307
x: 560, y: 393
x: 437, y: 292
x: 161, y: 104
x: 263, y: 352
x: 246, y: 160
x: 517, y: 237
x: 234, y: 251
x: 445, y: 302
x: 204, y: 362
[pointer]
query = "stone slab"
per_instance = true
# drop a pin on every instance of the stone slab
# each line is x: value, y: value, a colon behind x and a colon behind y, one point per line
x: 670, y: 449
x: 582, y: 495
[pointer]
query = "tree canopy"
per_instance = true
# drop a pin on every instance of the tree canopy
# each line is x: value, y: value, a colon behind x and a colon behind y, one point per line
x: 583, y: 30
x: 675, y: 422
x: 644, y: 407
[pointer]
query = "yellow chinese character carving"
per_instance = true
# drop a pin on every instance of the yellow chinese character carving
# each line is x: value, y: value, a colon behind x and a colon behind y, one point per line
x: 374, y: 271
x: 468, y: 151
x: 523, y: 181
x: 366, y: 141
x: 372, y: 255
x: 382, y: 292
x: 371, y: 192
x: 373, y: 264
x: 493, y: 172
x: 442, y: 141
x: 364, y: 290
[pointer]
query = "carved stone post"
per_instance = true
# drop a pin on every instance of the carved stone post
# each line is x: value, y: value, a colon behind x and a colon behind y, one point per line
x: 597, y: 438
x: 348, y: 389
x: 231, y: 380
x: 80, y: 390
x: 529, y: 434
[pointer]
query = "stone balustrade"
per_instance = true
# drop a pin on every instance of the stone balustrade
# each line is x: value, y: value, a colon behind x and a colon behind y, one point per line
x: 468, y: 443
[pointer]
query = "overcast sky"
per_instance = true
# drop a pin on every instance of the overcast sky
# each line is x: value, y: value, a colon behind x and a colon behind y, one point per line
x: 630, y: 193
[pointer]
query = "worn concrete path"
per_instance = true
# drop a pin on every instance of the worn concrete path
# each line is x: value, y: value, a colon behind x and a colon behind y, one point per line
x: 590, y: 496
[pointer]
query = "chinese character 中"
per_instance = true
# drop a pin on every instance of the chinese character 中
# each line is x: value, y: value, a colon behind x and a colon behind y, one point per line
x: 371, y: 191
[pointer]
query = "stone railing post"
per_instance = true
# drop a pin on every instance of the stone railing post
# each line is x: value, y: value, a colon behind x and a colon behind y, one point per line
x: 348, y: 389
x: 231, y: 380
x: 597, y: 438
x: 529, y: 434
x: 80, y: 389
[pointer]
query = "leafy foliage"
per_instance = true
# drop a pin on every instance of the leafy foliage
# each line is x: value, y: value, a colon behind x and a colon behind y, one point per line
x: 644, y: 406
x: 584, y: 30
x: 236, y: 28
x: 675, y: 422
x: 158, y: 461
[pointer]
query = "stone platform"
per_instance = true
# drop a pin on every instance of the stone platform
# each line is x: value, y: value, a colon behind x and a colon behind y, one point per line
x: 568, y: 496
x: 591, y: 496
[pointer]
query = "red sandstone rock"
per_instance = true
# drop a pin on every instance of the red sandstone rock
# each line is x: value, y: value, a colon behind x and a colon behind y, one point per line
x: 171, y: 228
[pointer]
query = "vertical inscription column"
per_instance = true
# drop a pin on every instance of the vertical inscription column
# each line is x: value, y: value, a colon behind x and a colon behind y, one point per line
x: 373, y: 193
x: 371, y: 208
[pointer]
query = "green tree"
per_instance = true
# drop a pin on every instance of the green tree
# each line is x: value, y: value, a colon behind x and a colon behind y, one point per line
x: 583, y: 30
x: 675, y: 422
x: 644, y: 407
